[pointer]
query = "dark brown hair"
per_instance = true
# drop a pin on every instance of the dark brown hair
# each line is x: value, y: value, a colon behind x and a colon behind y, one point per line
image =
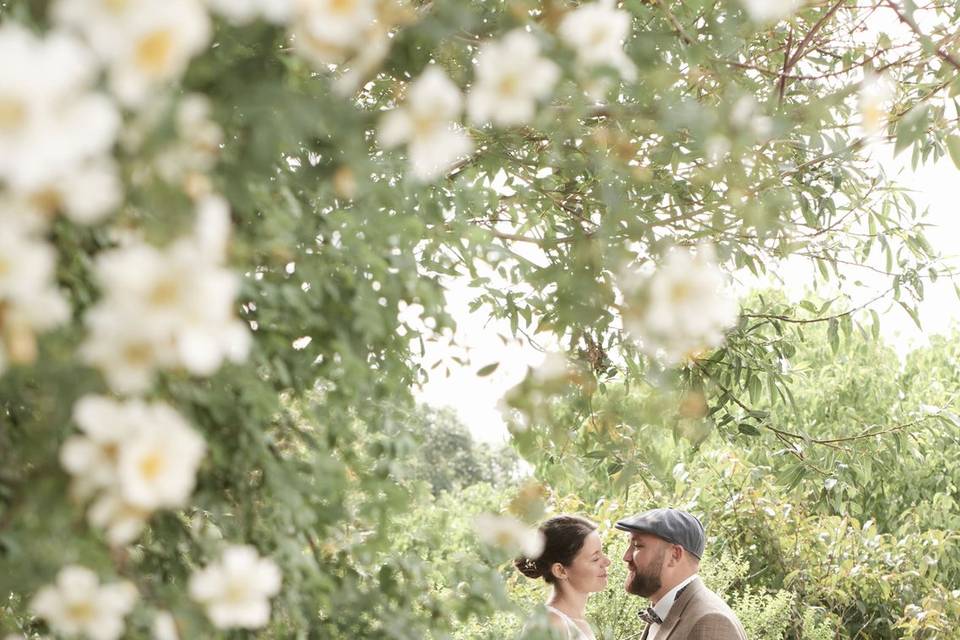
x: 564, y: 536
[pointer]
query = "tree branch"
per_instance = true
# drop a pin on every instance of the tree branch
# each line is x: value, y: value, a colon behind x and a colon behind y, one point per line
x: 782, y: 318
x: 675, y: 23
x: 907, y: 20
x: 786, y: 68
x: 800, y: 51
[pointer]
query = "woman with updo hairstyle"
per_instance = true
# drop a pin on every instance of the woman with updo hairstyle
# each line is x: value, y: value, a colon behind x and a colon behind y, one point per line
x: 572, y: 562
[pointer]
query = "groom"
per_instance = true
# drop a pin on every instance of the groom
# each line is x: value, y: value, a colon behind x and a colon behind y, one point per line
x: 662, y: 563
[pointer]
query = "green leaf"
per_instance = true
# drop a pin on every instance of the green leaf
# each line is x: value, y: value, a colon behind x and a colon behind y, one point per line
x: 912, y: 312
x: 953, y: 146
x: 793, y: 474
x: 833, y: 336
x: 911, y: 128
x: 748, y: 429
x: 952, y: 417
x: 487, y: 370
x: 754, y: 386
x: 875, y: 326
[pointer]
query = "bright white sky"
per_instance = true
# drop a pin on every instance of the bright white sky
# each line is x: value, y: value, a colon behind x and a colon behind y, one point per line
x: 485, y: 341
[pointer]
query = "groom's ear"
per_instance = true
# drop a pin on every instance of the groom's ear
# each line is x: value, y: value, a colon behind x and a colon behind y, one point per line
x: 676, y: 554
x: 558, y: 571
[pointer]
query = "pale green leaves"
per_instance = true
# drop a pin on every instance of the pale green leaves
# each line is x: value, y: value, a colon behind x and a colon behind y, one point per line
x: 911, y: 127
x: 953, y: 147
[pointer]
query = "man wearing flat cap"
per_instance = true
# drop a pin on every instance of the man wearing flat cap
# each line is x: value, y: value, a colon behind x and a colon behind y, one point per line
x: 662, y: 563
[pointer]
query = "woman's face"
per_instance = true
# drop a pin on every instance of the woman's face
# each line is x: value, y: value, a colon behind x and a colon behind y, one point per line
x: 588, y: 571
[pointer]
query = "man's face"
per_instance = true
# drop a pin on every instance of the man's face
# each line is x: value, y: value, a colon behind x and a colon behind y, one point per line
x: 645, y: 556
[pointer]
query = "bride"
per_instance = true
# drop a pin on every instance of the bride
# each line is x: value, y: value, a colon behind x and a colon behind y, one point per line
x: 574, y: 563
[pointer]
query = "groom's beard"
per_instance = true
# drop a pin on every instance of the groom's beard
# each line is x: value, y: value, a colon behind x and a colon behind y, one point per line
x: 646, y: 581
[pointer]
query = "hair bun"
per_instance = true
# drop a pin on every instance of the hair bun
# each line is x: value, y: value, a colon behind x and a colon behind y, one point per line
x: 528, y: 567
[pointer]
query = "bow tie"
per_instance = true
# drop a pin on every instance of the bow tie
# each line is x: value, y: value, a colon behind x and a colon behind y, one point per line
x: 649, y: 616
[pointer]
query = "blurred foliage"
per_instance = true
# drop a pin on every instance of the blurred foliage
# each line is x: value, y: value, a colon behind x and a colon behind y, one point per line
x: 854, y: 516
x: 447, y: 457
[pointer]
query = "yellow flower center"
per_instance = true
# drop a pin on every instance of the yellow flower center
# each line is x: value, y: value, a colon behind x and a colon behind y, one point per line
x: 509, y: 84
x: 873, y: 116
x: 236, y: 592
x: 12, y: 114
x: 424, y: 125
x: 81, y: 612
x: 165, y: 293
x: 20, y: 341
x: 139, y: 353
x: 342, y: 6
x: 598, y: 37
x: 503, y: 539
x: 116, y: 6
x: 47, y: 201
x: 153, y: 52
x: 111, y: 451
x: 680, y: 292
x: 151, y: 465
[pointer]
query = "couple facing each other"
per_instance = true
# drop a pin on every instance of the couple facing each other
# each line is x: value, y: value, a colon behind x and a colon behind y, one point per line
x: 663, y: 558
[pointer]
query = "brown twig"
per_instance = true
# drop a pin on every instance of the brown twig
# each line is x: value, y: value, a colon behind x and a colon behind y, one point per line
x: 907, y: 20
x: 786, y: 68
x: 801, y: 49
x: 675, y: 23
x: 788, y: 319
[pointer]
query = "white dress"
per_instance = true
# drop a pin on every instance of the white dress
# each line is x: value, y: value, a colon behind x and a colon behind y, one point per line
x: 573, y: 631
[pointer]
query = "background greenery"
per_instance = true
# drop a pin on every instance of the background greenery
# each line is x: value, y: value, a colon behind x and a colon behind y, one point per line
x: 868, y: 549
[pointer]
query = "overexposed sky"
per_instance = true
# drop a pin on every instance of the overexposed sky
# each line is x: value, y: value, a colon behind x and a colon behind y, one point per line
x: 482, y: 340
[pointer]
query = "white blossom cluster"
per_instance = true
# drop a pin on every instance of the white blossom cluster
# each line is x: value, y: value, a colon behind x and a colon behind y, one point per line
x: 161, y: 307
x: 166, y: 308
x: 132, y: 458
x: 768, y: 11
x: 509, y: 534
x: 330, y: 31
x: 596, y: 32
x: 680, y: 310
x: 241, y: 12
x: 510, y: 78
x: 29, y: 300
x: 143, y: 44
x: 235, y: 592
x: 55, y: 135
x: 56, y: 130
x: 874, y: 96
x: 195, y: 149
x: 427, y: 122
x: 77, y: 604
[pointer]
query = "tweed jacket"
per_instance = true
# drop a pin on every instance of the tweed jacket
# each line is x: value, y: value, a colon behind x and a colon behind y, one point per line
x: 699, y: 614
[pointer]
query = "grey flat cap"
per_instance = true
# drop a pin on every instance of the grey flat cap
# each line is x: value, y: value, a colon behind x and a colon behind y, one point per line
x: 673, y: 525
